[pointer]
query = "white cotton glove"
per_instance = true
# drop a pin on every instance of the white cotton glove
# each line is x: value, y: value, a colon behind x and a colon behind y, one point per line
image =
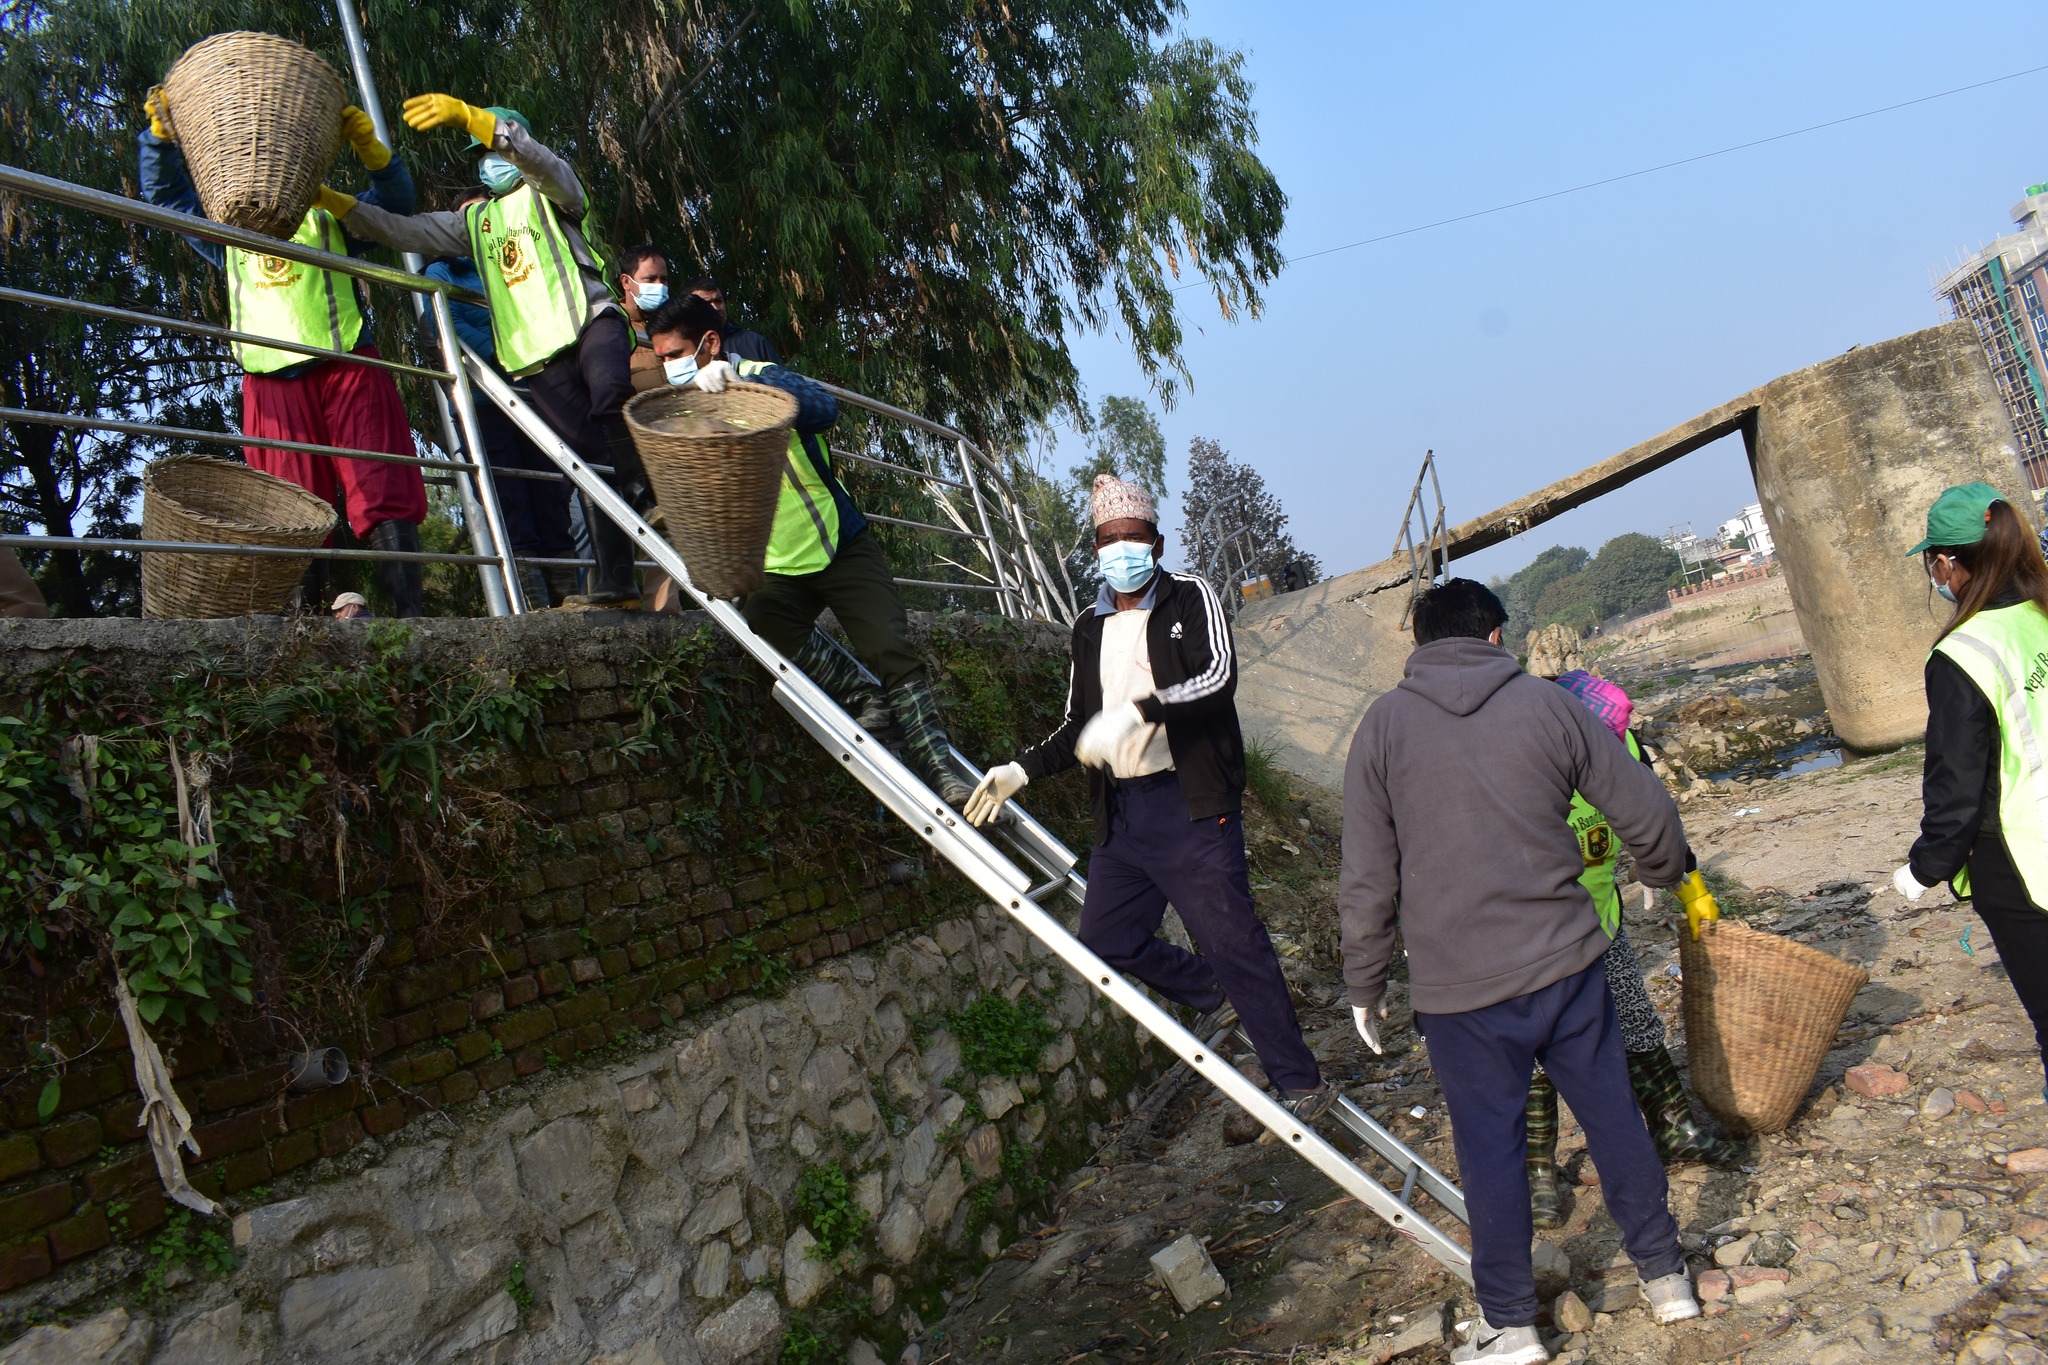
x: 1649, y: 900
x: 997, y: 786
x: 1362, y: 1017
x: 1104, y: 731
x: 714, y: 377
x: 1910, y: 889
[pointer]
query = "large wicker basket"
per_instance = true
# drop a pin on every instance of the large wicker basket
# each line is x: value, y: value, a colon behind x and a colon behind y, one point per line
x: 715, y: 462
x: 259, y: 120
x: 1760, y: 1014
x: 202, y: 499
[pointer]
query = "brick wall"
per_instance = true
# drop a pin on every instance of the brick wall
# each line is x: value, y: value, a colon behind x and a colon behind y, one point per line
x: 622, y: 922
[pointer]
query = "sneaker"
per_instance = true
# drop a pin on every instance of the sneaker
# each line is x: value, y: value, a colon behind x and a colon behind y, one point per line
x: 601, y: 601
x: 1309, y: 1105
x: 1671, y: 1297
x: 1503, y: 1346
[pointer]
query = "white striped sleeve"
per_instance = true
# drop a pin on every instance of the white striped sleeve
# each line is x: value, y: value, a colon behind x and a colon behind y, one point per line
x: 1222, y: 666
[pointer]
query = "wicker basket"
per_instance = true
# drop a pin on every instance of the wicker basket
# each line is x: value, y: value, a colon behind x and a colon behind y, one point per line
x: 715, y: 462
x: 259, y: 120
x: 1760, y: 1014
x: 203, y: 499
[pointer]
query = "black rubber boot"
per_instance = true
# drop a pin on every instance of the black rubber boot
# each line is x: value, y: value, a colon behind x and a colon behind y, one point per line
x: 401, y: 580
x: 1546, y: 1208
x: 926, y: 748
x: 311, y: 594
x: 828, y: 667
x: 1679, y: 1136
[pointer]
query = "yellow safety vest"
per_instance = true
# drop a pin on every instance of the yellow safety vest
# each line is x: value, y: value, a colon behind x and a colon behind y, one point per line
x: 1598, y: 850
x: 530, y: 275
x: 2005, y: 653
x: 272, y: 297
x: 806, y: 534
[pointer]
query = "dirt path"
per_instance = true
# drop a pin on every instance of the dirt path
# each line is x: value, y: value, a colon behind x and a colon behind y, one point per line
x: 1873, y: 1229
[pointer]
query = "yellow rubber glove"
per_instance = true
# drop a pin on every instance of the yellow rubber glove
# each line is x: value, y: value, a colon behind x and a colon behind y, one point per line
x: 445, y: 111
x: 1699, y: 902
x: 362, y: 135
x: 153, y: 105
x: 334, y: 201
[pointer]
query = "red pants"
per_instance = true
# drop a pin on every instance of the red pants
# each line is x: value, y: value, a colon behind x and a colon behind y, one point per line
x: 337, y: 404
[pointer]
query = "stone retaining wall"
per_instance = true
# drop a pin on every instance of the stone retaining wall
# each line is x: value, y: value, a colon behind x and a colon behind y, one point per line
x: 649, y: 1205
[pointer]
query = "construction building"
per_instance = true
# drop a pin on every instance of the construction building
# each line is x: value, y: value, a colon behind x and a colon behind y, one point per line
x: 2000, y: 290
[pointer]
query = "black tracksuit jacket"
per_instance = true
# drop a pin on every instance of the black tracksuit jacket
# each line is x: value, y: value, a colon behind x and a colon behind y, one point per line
x: 1194, y: 665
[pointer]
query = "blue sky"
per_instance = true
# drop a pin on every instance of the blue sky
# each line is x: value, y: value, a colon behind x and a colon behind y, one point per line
x: 1529, y: 344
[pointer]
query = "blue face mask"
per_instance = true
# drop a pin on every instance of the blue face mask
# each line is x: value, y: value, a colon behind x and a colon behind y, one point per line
x: 1126, y: 565
x: 1943, y: 591
x: 649, y: 296
x: 498, y: 175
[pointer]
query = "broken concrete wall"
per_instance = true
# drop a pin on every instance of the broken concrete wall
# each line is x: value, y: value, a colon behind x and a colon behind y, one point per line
x: 1848, y: 454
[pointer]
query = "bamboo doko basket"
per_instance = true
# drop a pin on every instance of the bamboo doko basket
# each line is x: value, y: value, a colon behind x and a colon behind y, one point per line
x: 1760, y: 1014
x: 203, y: 499
x: 259, y: 120
x: 715, y: 462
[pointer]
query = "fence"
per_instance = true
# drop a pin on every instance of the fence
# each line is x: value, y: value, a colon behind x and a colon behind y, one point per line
x: 985, y: 537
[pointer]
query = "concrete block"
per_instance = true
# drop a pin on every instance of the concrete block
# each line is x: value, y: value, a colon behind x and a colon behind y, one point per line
x: 1187, y: 1272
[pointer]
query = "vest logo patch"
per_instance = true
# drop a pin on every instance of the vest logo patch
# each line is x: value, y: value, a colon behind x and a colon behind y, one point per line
x: 2037, y: 674
x: 515, y: 259
x: 275, y: 272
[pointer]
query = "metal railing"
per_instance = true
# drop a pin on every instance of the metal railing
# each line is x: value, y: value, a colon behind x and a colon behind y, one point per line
x: 984, y: 535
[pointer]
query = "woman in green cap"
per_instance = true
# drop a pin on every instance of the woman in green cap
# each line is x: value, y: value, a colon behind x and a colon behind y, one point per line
x: 1984, y: 824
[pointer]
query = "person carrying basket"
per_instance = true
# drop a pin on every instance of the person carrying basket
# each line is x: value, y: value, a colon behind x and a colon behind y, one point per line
x: 290, y: 396
x: 553, y: 317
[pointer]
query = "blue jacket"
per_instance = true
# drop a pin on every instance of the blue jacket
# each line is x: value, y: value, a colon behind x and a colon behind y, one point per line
x: 472, y: 320
x: 167, y: 184
x: 817, y: 409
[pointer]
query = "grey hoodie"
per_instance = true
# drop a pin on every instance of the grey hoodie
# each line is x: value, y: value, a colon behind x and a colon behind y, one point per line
x: 1455, y: 802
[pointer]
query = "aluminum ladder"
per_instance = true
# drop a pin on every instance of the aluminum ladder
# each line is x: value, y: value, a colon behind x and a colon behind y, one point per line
x: 1022, y: 894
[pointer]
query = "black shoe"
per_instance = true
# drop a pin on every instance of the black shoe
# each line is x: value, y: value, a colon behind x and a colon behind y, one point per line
x: 1216, y: 1025
x: 1309, y: 1105
x: 402, y: 580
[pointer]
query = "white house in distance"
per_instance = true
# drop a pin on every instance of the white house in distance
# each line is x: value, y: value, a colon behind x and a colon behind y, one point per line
x: 1750, y: 525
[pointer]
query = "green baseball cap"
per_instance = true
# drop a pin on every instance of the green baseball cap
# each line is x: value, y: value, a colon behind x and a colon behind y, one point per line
x: 1958, y: 516
x: 498, y: 111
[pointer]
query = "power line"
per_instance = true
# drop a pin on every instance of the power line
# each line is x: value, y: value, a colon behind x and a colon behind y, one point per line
x: 1651, y: 170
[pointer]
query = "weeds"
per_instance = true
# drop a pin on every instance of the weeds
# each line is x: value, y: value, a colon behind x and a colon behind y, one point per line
x: 1001, y: 1037
x: 1264, y: 775
x: 825, y: 1203
x: 180, y: 1245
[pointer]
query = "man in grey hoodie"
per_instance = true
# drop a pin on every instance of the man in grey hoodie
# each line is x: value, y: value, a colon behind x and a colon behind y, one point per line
x: 1456, y: 796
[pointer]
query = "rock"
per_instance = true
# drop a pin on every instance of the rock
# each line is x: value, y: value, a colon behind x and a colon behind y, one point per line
x: 898, y: 1233
x: 857, y: 1116
x: 1713, y: 1286
x: 881, y: 1295
x: 863, y: 1352
x: 567, y: 1172
x: 944, y: 1196
x: 1553, y: 650
x: 748, y: 1326
x: 998, y: 1096
x: 715, y: 1215
x: 1553, y: 1269
x: 1187, y: 1272
x: 1057, y: 1053
x: 984, y: 1151
x: 1617, y: 1294
x: 209, y: 1339
x: 344, y: 1313
x: 713, y: 1271
x: 495, y: 1317
x: 1757, y: 1274
x: 1735, y: 1252
x: 1773, y: 1249
x: 1763, y: 1291
x: 755, y: 1268
x: 1569, y: 1313
x: 991, y: 1242
x: 919, y: 1150
x: 2030, y: 1228
x: 109, y: 1339
x: 1426, y: 1329
x: 1876, y: 1080
x: 2027, y: 1161
x: 1939, y: 1104
x: 1972, y: 1101
x: 1937, y: 1229
x: 803, y: 1277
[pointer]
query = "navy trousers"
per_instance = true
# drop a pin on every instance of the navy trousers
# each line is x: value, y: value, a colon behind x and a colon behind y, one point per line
x: 1482, y: 1058
x: 1155, y: 856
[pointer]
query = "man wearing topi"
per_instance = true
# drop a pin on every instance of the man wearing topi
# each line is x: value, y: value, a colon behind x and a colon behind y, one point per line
x: 555, y: 321
x: 289, y: 396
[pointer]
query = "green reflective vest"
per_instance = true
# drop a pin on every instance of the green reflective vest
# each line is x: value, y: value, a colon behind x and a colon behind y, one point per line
x: 2005, y: 652
x: 272, y: 297
x: 1598, y: 851
x: 806, y: 534
x: 538, y: 306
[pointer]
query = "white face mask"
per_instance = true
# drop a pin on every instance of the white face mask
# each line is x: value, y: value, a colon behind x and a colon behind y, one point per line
x: 683, y: 368
x: 650, y: 296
